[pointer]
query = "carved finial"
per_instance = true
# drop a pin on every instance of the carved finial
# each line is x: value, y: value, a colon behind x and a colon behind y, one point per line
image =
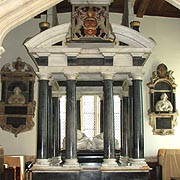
x: 18, y: 65
x: 5, y: 68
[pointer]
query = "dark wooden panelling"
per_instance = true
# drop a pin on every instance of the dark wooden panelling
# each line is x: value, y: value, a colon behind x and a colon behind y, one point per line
x: 142, y: 7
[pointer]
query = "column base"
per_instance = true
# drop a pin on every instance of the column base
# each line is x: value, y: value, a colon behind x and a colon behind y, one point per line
x: 71, y: 162
x: 43, y: 162
x: 138, y: 162
x: 124, y: 160
x: 109, y: 162
x: 55, y: 161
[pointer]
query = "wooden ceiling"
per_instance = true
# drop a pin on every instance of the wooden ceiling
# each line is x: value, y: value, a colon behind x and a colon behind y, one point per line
x: 141, y: 7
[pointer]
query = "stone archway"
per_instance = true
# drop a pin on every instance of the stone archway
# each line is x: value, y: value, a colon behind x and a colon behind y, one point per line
x: 13, y: 14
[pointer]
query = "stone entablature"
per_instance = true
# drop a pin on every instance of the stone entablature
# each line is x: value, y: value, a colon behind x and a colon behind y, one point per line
x: 42, y: 46
x: 137, y: 46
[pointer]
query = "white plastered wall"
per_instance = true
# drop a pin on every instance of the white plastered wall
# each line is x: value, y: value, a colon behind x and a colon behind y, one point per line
x: 165, y: 31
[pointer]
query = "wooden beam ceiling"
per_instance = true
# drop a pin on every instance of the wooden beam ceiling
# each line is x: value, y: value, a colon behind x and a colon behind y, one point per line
x: 128, y: 15
x: 141, y: 9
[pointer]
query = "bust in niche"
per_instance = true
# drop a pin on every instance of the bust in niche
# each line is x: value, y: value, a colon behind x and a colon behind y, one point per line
x: 164, y: 105
x: 16, y: 97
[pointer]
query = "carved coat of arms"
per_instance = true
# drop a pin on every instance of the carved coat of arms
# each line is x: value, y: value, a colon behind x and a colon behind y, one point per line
x: 90, y: 22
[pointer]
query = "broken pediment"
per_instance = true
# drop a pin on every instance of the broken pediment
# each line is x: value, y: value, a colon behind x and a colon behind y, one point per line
x: 54, y: 35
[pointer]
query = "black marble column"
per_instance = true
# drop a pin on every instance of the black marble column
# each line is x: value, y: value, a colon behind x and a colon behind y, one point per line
x: 101, y: 115
x: 78, y: 115
x: 109, y: 137
x: 138, y: 124
x: 42, y: 132
x: 71, y: 123
x: 125, y: 127
x: 57, y: 127
x: 50, y: 123
x: 131, y: 132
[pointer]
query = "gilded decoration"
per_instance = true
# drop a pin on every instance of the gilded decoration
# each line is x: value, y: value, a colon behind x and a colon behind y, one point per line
x: 162, y: 112
x: 17, y: 104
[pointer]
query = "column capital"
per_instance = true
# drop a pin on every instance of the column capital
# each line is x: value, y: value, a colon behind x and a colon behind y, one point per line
x: 78, y: 96
x: 43, y: 75
x: 108, y: 75
x: 54, y: 84
x: 126, y: 84
x: 125, y: 94
x: 71, y: 76
x: 137, y: 76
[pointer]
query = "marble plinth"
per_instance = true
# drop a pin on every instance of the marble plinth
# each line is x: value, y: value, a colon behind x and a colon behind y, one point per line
x: 90, y: 173
x: 71, y: 162
x: 109, y: 162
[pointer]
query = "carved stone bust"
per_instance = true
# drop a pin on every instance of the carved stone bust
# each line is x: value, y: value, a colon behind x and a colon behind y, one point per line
x: 164, y: 105
x: 16, y: 97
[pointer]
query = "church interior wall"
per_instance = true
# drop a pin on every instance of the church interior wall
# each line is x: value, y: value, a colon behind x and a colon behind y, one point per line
x: 165, y: 31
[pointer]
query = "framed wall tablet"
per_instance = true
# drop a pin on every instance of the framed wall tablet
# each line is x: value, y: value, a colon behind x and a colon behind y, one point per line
x: 162, y: 111
x: 17, y: 97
